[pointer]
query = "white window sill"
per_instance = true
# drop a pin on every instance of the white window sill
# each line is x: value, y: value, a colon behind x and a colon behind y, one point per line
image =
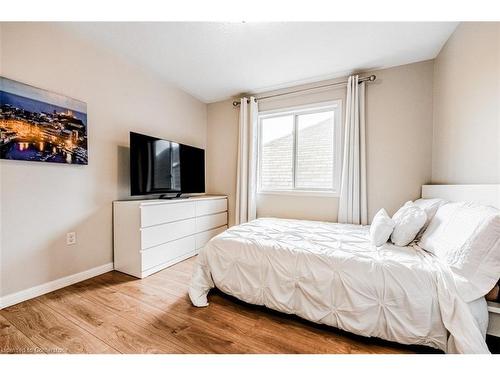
x: 303, y: 193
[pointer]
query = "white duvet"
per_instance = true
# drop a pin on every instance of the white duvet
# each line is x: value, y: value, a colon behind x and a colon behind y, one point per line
x: 331, y: 274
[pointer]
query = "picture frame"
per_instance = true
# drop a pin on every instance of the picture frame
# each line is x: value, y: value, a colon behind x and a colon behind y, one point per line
x: 39, y: 125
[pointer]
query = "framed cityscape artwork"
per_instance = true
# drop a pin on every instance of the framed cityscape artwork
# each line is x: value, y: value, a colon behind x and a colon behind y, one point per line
x: 38, y: 125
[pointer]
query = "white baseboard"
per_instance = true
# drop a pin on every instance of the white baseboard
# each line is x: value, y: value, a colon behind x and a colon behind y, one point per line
x: 23, y: 295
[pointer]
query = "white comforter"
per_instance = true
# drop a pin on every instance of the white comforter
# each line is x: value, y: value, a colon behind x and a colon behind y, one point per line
x: 331, y: 274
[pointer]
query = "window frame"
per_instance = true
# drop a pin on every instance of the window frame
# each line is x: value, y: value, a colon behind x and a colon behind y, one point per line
x: 295, y: 111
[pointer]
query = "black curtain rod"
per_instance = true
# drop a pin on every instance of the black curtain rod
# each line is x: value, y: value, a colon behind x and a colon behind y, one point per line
x: 363, y: 79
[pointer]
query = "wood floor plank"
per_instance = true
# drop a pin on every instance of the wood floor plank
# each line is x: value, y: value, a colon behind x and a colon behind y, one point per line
x: 241, y: 321
x: 162, y: 296
x: 185, y: 266
x: 273, y: 338
x: 52, y: 332
x: 117, y: 312
x: 308, y: 336
x: 193, y: 338
x: 179, y: 306
x: 173, y: 287
x: 138, y: 288
x: 121, y: 334
x: 276, y: 328
x: 13, y: 341
x: 173, y: 274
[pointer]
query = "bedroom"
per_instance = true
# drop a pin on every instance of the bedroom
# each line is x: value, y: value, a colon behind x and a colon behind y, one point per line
x: 293, y: 223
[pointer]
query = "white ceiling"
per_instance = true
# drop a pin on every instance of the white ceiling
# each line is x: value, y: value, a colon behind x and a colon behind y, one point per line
x: 215, y: 61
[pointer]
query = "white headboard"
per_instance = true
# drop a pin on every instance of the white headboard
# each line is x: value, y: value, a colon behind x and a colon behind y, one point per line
x: 488, y: 195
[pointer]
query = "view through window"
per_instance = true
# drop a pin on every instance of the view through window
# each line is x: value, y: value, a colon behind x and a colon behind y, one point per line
x: 300, y: 149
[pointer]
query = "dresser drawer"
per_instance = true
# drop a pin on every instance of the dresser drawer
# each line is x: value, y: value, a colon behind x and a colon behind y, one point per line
x: 166, y: 213
x: 203, y: 237
x: 208, y: 222
x: 211, y: 206
x: 167, y: 252
x: 159, y: 234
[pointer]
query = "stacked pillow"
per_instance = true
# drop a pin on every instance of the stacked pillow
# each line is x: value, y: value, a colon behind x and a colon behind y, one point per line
x: 407, y: 224
x: 466, y: 237
x: 381, y: 228
x: 409, y: 220
x: 430, y: 206
x: 463, y: 235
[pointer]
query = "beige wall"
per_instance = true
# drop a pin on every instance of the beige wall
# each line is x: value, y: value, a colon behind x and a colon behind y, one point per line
x: 466, y: 147
x: 399, y: 143
x: 222, y: 151
x: 399, y: 135
x: 41, y: 202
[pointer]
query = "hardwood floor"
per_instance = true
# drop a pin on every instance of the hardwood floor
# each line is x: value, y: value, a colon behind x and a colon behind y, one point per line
x: 116, y: 313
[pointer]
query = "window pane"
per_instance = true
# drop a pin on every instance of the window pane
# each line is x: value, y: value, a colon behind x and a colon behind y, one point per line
x: 277, y: 153
x: 315, y: 151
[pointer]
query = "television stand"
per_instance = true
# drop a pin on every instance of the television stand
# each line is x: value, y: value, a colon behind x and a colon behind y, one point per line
x: 177, y: 196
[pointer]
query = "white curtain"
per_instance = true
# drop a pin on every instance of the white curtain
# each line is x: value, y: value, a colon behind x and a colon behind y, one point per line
x: 246, y: 207
x: 352, y: 203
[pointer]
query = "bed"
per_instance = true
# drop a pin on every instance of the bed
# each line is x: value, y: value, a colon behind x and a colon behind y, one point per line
x: 331, y: 274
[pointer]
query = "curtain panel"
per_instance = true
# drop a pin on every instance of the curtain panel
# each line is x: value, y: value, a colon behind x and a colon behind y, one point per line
x: 246, y: 206
x: 352, y: 203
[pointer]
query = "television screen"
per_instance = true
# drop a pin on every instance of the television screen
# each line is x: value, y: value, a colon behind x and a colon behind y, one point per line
x: 192, y: 169
x: 159, y: 166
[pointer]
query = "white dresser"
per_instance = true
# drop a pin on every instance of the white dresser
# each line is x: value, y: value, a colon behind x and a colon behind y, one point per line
x: 150, y: 235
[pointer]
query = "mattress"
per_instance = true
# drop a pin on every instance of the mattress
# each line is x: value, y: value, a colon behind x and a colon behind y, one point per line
x: 330, y: 274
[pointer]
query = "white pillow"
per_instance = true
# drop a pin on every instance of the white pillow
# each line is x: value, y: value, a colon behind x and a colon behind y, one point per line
x: 408, y: 220
x: 430, y: 206
x: 466, y: 236
x: 381, y: 228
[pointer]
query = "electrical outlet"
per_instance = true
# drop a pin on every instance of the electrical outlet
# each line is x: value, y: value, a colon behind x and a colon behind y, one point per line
x: 70, y: 238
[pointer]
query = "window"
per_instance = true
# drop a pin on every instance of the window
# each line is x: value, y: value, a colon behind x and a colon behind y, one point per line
x: 299, y: 150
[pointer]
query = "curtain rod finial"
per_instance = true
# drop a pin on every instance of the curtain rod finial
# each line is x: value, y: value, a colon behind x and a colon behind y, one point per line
x: 236, y: 103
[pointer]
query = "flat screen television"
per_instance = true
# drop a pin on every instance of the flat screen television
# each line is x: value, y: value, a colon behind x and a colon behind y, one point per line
x: 159, y: 166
